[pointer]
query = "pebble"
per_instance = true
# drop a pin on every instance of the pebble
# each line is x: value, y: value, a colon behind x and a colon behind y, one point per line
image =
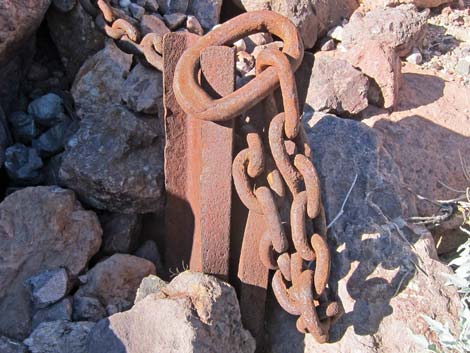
x: 328, y: 45
x: 48, y: 287
x: 336, y: 33
x: 124, y: 3
x: 193, y: 25
x: 23, y: 164
x: 174, y: 20
x: 53, y: 140
x: 136, y: 11
x: 151, y: 5
x: 46, y: 109
x: 240, y: 45
x: 415, y: 57
x: 463, y: 67
x: 87, y: 309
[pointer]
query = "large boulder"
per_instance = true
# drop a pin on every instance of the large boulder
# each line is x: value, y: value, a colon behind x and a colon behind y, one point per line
x: 19, y: 19
x: 115, y: 162
x: 195, y: 313
x: 313, y: 18
x: 99, y: 81
x: 402, y: 28
x: 75, y: 36
x: 41, y: 228
x: 114, y: 281
x: 385, y: 272
x: 425, y: 136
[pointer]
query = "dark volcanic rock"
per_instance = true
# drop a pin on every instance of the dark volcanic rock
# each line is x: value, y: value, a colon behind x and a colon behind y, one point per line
x: 121, y: 232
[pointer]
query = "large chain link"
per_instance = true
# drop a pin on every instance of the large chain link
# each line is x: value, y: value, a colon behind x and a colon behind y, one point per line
x: 116, y: 24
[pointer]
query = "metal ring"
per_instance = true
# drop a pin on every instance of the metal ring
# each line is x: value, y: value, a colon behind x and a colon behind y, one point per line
x: 312, y: 184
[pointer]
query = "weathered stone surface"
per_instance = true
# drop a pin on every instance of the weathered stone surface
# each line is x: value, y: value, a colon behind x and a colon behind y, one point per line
x: 23, y: 164
x: 121, y: 232
x: 60, y: 337
x: 115, y: 162
x: 99, y: 81
x: 149, y: 285
x: 51, y: 222
x: 19, y: 19
x: 87, y: 309
x: 401, y: 27
x: 115, y: 280
x: 382, y: 65
x: 375, y: 254
x: 48, y: 287
x: 143, y: 90
x: 372, y: 4
x: 194, y: 313
x: 59, y: 311
x: 9, y: 346
x: 75, y: 36
x: 424, y: 136
x: 313, y: 18
x: 336, y: 86
x: 206, y: 11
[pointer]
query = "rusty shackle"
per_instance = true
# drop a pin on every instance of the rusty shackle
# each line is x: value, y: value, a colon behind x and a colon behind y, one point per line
x: 197, y: 103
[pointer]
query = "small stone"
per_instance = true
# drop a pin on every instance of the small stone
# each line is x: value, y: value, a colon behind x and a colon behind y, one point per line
x: 38, y: 72
x: 463, y: 67
x: 415, y: 57
x: 48, y: 287
x: 59, y: 311
x: 254, y: 40
x: 149, y: 285
x: 193, y: 25
x: 112, y: 309
x: 60, y: 336
x: 328, y: 45
x: 178, y: 6
x: 206, y: 11
x: 9, y: 346
x: 149, y: 251
x: 23, y: 164
x: 121, y: 232
x: 64, y: 5
x: 23, y: 126
x: 336, y: 33
x: 124, y: 3
x: 245, y: 63
x: 151, y: 5
x: 53, y: 140
x: 174, y: 20
x: 240, y: 45
x: 136, y: 11
x: 141, y: 2
x: 87, y: 309
x: 46, y: 109
x: 274, y: 45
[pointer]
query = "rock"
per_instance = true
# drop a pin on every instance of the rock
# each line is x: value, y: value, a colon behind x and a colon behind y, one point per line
x: 374, y: 252
x: 79, y: 26
x: 149, y: 285
x: 5, y: 135
x: 313, y: 18
x: 193, y: 25
x: 245, y: 63
x: 174, y: 20
x: 23, y: 126
x: 115, y: 162
x: 401, y: 27
x: 136, y: 11
x: 124, y: 3
x: 178, y: 6
x: 121, y: 232
x: 46, y: 109
x: 64, y: 5
x: 59, y: 311
x: 240, y: 45
x: 51, y: 170
x: 328, y: 45
x: 48, y: 287
x: 372, y: 4
x: 60, y: 337
x: 415, y: 57
x: 149, y: 251
x: 87, y: 309
x: 257, y: 39
x: 52, y: 226
x: 23, y: 164
x: 382, y: 65
x: 53, y: 140
x: 143, y: 90
x: 9, y: 346
x: 115, y: 280
x: 336, y: 33
x: 336, y: 86
x: 153, y: 24
x: 152, y: 5
x: 463, y: 67
x: 194, y: 313
x: 19, y: 19
x: 206, y: 11
x: 424, y: 136
x: 99, y: 81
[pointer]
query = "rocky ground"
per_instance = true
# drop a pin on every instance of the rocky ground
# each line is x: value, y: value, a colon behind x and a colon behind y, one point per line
x: 386, y: 85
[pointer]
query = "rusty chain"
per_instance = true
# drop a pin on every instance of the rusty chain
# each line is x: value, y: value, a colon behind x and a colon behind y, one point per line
x: 116, y: 24
x: 301, y: 263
